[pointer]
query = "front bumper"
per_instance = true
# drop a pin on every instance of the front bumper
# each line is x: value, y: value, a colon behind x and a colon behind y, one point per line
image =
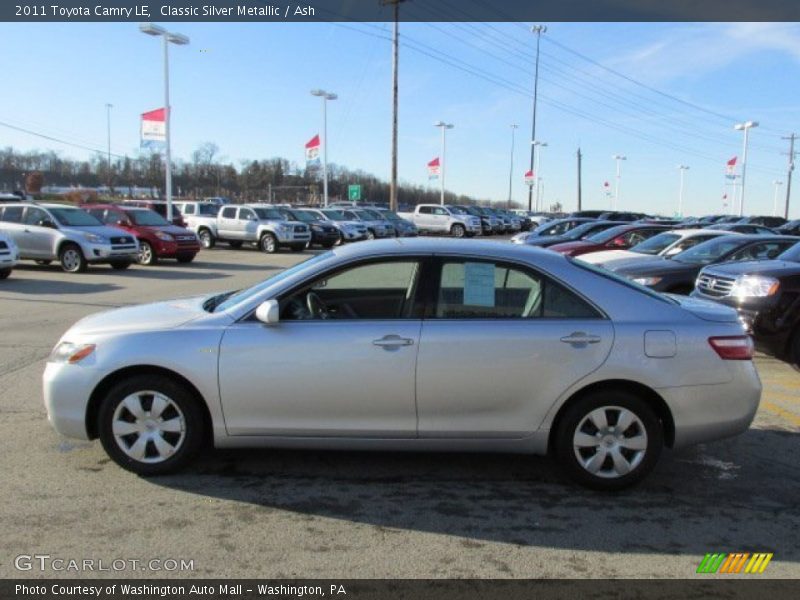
x: 173, y: 249
x: 103, y: 253
x: 324, y: 237
x: 292, y: 237
x: 353, y: 236
x: 8, y: 259
x: 67, y: 389
x: 704, y: 413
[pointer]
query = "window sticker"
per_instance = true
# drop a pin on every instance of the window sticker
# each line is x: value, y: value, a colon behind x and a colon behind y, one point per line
x: 478, y: 284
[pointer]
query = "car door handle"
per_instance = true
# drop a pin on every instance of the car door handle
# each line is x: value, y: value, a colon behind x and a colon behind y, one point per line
x: 579, y: 337
x: 392, y: 341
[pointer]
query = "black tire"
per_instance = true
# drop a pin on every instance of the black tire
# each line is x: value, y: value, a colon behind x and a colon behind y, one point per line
x: 5, y: 273
x: 72, y: 259
x: 235, y: 244
x: 297, y: 247
x: 43, y: 262
x: 185, y: 258
x: 206, y: 239
x: 794, y: 349
x: 340, y: 240
x: 370, y: 234
x: 577, y: 419
x: 268, y: 243
x: 458, y: 231
x: 185, y: 447
x: 147, y: 254
x: 120, y: 265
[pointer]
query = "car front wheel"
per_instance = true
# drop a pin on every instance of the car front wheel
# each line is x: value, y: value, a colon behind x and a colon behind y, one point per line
x: 458, y: 231
x: 147, y: 255
x: 72, y: 259
x: 268, y: 243
x: 150, y: 424
x: 206, y: 239
x: 5, y: 273
x: 609, y: 440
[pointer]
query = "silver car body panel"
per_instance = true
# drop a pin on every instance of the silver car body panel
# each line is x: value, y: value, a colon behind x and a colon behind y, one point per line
x: 479, y: 385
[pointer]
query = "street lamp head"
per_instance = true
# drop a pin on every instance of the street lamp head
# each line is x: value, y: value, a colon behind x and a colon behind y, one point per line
x: 449, y: 125
x: 683, y: 167
x: 619, y: 157
x: 746, y: 125
x: 539, y: 29
x: 331, y: 96
x: 152, y: 29
x: 514, y: 126
x: 178, y: 39
x: 318, y: 92
x: 443, y: 124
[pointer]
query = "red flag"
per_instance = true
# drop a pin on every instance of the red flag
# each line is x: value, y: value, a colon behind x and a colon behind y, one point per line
x: 434, y: 162
x: 605, y: 184
x: 434, y: 169
x: 732, y: 162
x: 313, y: 142
x: 312, y: 152
x: 529, y: 178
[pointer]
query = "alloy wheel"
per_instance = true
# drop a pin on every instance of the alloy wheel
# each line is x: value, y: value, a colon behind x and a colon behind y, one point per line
x: 148, y: 427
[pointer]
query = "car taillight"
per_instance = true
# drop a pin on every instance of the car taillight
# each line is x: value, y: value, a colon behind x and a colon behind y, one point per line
x: 735, y: 347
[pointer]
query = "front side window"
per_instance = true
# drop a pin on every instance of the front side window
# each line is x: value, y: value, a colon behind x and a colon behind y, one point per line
x: 34, y: 216
x: 762, y: 251
x: 487, y: 290
x: 188, y: 209
x: 439, y: 211
x: 146, y: 217
x: 656, y: 243
x: 245, y: 214
x: 383, y: 290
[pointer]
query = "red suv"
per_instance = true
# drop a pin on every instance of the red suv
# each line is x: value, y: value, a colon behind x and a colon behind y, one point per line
x: 620, y: 237
x: 157, y: 238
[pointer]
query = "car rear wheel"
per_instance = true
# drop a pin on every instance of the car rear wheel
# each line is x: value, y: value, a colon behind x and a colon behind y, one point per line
x: 268, y: 243
x: 72, y: 259
x: 608, y: 440
x: 185, y: 258
x: 5, y: 273
x: 206, y: 239
x: 147, y: 255
x: 150, y: 424
x: 299, y: 247
x: 458, y: 231
x: 370, y: 234
x: 120, y: 265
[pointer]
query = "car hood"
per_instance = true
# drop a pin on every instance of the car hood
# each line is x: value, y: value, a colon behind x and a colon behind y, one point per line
x: 105, y: 231
x: 706, y: 309
x: 648, y: 267
x: 567, y: 246
x: 755, y: 267
x: 170, y: 229
x: 143, y: 317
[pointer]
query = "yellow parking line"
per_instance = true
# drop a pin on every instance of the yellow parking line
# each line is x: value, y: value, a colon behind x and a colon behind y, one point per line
x: 795, y: 398
x: 774, y: 408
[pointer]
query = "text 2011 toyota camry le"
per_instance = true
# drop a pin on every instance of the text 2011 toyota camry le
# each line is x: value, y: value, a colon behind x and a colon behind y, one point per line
x: 415, y: 345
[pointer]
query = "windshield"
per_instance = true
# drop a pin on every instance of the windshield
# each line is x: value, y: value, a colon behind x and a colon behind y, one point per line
x: 147, y: 218
x: 708, y: 252
x: 334, y: 215
x: 74, y: 217
x: 228, y: 300
x: 207, y: 210
x: 363, y: 215
x: 792, y: 254
x: 306, y: 217
x: 553, y: 228
x: 607, y: 235
x: 457, y: 210
x: 269, y: 214
x: 584, y: 230
x: 391, y: 216
x: 656, y: 244
x: 372, y: 214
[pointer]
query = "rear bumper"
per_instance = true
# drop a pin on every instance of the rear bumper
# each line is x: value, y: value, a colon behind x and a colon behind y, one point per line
x: 704, y: 413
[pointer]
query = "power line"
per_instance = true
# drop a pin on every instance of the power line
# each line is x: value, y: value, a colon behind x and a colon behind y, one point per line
x: 54, y: 139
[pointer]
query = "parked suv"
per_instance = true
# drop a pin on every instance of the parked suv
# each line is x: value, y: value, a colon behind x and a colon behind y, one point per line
x: 161, y: 208
x: 9, y: 254
x: 261, y: 224
x: 323, y: 233
x: 376, y: 227
x: 766, y: 294
x: 157, y: 238
x: 48, y: 232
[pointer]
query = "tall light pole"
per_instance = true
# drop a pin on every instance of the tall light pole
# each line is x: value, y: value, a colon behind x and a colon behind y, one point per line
x: 514, y: 126
x: 619, y: 158
x: 444, y: 127
x: 777, y: 184
x: 538, y: 30
x: 538, y: 145
x: 179, y: 40
x: 108, y: 138
x: 682, y: 169
x: 325, y: 97
x: 746, y: 127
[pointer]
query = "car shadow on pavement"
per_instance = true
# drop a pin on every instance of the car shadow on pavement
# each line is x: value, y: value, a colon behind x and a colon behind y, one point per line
x: 42, y: 287
x: 734, y: 495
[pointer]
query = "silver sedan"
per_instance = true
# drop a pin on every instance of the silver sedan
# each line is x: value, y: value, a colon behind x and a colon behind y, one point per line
x: 414, y: 344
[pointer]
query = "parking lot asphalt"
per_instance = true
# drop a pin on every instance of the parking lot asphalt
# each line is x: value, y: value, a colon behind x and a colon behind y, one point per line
x: 272, y: 513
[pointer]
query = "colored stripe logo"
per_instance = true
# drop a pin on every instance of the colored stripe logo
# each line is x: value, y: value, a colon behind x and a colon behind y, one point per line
x: 735, y: 563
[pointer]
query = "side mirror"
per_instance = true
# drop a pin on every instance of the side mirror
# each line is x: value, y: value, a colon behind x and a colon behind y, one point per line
x: 46, y: 223
x: 674, y: 251
x: 268, y: 312
x: 122, y: 222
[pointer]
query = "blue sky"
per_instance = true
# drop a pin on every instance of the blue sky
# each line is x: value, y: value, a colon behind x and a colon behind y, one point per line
x: 246, y: 88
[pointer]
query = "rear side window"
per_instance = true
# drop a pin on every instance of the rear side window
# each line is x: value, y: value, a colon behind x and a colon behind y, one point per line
x: 425, y: 210
x: 188, y: 209
x: 488, y: 290
x: 761, y: 251
x: 229, y: 212
x: 12, y: 214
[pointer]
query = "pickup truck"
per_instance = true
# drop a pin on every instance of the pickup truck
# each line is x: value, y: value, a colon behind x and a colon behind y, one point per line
x: 435, y: 218
x: 260, y: 224
x: 201, y: 217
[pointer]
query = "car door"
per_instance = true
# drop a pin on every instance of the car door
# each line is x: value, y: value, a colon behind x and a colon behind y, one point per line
x: 11, y: 224
x: 501, y: 344
x: 247, y: 224
x: 346, y: 372
x: 226, y: 223
x: 37, y: 239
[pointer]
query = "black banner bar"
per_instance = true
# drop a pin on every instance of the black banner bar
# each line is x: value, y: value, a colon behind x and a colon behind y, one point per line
x: 729, y: 588
x: 411, y: 10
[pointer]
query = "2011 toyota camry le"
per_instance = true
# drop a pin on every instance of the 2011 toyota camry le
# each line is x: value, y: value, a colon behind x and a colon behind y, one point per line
x: 412, y: 344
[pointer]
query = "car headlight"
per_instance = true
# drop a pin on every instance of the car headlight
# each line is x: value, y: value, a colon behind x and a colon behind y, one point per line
x: 164, y: 237
x: 95, y: 239
x: 67, y: 352
x: 316, y: 228
x: 648, y: 281
x: 283, y: 227
x: 754, y: 286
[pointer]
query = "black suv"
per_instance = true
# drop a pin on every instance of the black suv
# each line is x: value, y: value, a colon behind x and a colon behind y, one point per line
x: 766, y: 294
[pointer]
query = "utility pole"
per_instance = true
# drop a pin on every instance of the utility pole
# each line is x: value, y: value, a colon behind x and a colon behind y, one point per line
x: 108, y: 137
x: 791, y: 139
x: 682, y: 169
x: 395, y: 4
x: 618, y: 158
x: 444, y: 127
x: 580, y: 156
x: 538, y: 30
x: 514, y: 126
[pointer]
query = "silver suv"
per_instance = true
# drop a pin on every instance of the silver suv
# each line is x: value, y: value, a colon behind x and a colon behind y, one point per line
x: 48, y: 232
